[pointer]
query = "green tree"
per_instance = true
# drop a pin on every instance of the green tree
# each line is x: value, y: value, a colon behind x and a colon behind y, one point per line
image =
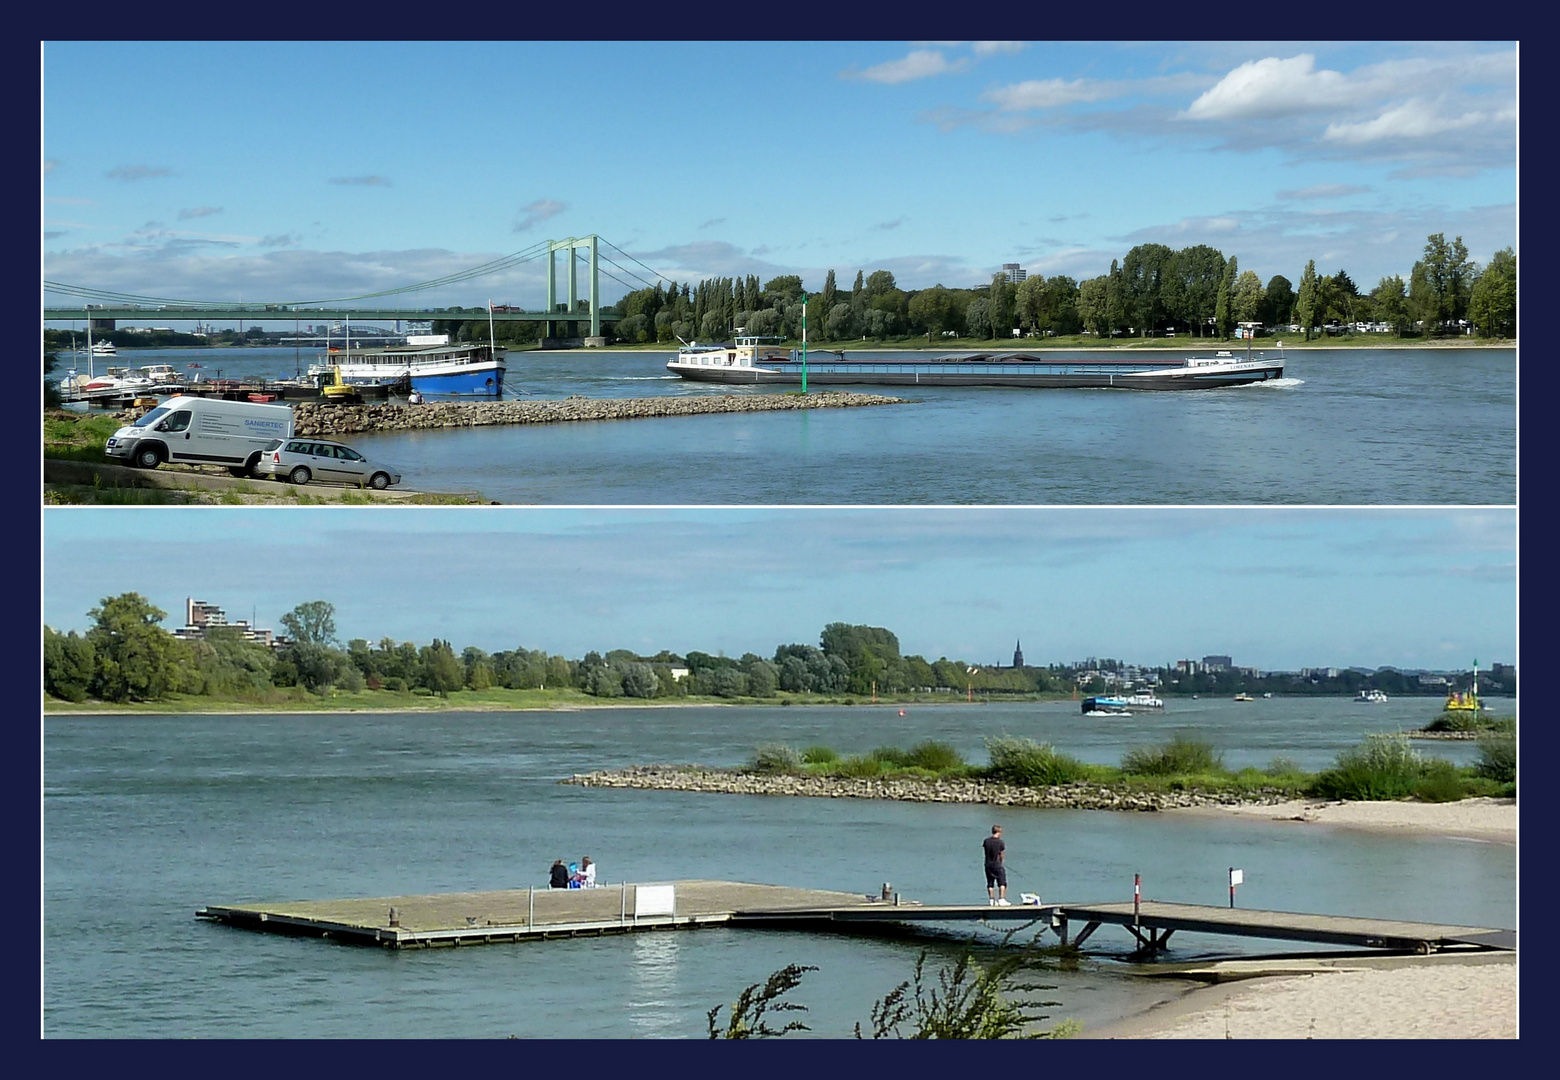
x: 1202, y: 277
x: 1279, y: 301
x: 1306, y: 300
x: 1092, y: 295
x: 1248, y: 297
x: 1142, y: 274
x: 1003, y: 296
x: 69, y: 663
x: 311, y: 623
x: 441, y: 668
x: 935, y: 310
x: 1224, y: 306
x: 1492, y: 304
x: 1390, y: 299
x: 136, y: 659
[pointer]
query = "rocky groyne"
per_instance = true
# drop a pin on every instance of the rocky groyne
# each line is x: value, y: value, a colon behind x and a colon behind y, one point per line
x: 1076, y: 796
x: 313, y: 418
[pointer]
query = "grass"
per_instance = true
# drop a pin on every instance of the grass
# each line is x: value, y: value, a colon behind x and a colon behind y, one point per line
x: 1383, y: 767
x: 77, y: 437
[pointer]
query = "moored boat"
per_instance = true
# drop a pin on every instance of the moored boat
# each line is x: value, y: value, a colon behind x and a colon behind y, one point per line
x: 1370, y: 697
x: 1101, y: 705
x: 431, y: 367
x: 747, y: 360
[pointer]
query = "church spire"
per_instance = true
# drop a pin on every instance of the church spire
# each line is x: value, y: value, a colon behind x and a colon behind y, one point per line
x: 1018, y: 653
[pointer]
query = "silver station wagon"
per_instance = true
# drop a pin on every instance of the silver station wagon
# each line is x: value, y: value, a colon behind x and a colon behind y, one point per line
x: 302, y: 460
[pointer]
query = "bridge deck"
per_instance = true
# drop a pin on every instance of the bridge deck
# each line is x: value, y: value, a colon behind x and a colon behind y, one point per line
x: 525, y: 914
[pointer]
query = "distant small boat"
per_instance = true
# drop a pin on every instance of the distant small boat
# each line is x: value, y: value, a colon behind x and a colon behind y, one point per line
x: 1243, y: 696
x: 1370, y: 697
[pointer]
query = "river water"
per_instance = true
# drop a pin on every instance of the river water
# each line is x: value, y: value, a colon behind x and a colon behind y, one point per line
x: 147, y: 818
x: 1345, y: 426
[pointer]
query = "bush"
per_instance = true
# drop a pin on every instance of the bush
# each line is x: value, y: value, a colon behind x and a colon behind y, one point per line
x: 776, y: 759
x: 866, y: 765
x: 1282, y: 766
x: 1384, y: 767
x: 1183, y: 755
x: 820, y: 755
x: 1030, y: 763
x: 1497, y: 759
x: 1440, y: 783
x: 934, y: 756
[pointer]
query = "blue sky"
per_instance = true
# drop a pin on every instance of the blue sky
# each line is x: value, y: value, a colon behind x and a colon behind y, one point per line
x: 293, y: 172
x: 1274, y: 588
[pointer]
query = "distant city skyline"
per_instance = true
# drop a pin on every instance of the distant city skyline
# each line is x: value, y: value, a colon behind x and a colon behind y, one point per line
x: 1347, y: 153
x: 1275, y: 589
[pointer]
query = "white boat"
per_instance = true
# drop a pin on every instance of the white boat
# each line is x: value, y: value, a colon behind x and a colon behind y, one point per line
x: 429, y: 364
x: 1370, y: 697
x: 104, y: 348
x: 1144, y: 700
x: 162, y: 375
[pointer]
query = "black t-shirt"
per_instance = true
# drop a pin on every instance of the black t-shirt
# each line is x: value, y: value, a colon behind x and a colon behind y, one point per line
x: 994, y: 849
x: 560, y: 877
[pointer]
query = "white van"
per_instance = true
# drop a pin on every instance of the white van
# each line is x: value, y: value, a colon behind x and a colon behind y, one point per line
x: 202, y: 431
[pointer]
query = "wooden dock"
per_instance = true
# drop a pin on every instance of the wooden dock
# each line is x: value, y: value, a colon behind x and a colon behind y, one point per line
x: 400, y: 922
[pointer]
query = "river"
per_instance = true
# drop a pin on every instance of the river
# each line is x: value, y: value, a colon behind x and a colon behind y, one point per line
x: 146, y: 818
x: 1345, y: 426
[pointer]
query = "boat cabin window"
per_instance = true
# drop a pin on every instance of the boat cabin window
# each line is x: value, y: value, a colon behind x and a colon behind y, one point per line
x: 179, y: 421
x: 151, y: 417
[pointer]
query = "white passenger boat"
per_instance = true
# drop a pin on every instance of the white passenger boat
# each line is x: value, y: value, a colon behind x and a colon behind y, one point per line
x: 1370, y: 697
x: 428, y: 364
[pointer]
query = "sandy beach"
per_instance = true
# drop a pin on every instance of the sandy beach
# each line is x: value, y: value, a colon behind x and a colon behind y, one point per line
x: 1481, y: 819
x: 1437, y: 997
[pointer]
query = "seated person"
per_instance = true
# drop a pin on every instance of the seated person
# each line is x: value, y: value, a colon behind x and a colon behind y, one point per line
x: 559, y: 876
x: 587, y: 873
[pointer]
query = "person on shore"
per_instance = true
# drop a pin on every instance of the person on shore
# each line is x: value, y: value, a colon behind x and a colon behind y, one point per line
x: 587, y: 873
x: 559, y: 878
x: 996, y: 870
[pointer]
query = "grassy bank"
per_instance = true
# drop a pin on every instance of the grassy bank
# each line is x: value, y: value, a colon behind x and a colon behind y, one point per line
x: 1382, y: 767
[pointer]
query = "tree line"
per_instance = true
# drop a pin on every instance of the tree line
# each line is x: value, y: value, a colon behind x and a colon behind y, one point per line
x: 1151, y: 290
x: 126, y: 655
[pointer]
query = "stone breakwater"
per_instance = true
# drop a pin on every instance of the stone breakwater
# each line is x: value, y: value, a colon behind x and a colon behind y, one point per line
x: 311, y: 418
x: 1076, y: 796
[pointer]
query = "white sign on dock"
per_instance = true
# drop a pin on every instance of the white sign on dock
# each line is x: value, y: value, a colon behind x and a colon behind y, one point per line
x: 655, y: 900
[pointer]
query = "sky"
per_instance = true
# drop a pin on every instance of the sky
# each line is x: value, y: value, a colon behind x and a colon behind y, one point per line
x: 289, y: 172
x: 1274, y: 588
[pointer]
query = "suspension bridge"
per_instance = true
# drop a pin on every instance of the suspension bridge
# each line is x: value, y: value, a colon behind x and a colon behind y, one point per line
x: 105, y: 307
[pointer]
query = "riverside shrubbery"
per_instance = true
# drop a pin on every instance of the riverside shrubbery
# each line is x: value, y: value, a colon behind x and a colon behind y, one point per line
x: 1382, y: 767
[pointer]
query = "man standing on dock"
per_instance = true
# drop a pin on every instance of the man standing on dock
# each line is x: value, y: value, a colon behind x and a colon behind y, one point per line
x: 996, y: 872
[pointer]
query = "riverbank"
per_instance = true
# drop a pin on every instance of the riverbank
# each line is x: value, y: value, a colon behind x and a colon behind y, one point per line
x: 67, y: 482
x: 310, y: 418
x: 1434, y: 997
x: 1080, y: 795
x: 1477, y: 819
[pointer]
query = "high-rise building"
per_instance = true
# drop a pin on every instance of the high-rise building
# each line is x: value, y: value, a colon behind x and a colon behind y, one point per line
x: 1014, y: 272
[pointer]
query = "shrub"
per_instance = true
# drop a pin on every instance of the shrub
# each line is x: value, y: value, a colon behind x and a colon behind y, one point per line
x: 776, y: 759
x: 934, y: 756
x: 1383, y: 767
x: 1030, y: 763
x: 1440, y: 783
x: 866, y: 765
x: 820, y: 755
x: 1497, y: 759
x: 1183, y: 755
x: 1282, y: 766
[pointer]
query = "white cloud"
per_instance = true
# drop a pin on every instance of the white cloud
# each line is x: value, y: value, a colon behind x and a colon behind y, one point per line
x: 1415, y: 119
x: 995, y: 48
x: 919, y: 64
x: 199, y: 212
x: 1047, y: 93
x: 1272, y: 87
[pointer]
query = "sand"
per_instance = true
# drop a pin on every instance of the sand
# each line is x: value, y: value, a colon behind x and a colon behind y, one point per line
x: 1431, y: 998
x: 1482, y: 819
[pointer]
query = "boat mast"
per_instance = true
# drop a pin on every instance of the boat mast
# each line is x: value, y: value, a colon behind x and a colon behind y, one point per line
x: 492, y: 338
x: 90, y: 372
